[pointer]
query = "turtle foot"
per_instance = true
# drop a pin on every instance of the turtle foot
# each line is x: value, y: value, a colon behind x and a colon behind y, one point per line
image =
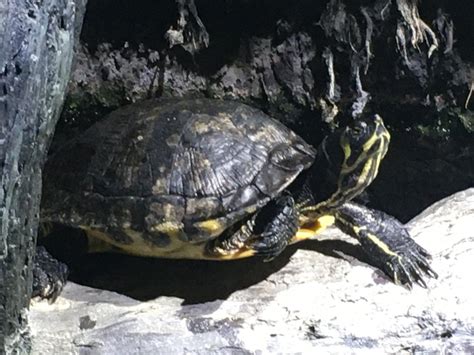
x: 387, y: 244
x: 49, y: 276
x: 408, y: 264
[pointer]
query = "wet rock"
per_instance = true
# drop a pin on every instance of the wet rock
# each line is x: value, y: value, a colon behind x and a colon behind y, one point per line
x: 323, y: 297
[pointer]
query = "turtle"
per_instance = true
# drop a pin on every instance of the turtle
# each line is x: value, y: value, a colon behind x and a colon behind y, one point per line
x: 219, y: 180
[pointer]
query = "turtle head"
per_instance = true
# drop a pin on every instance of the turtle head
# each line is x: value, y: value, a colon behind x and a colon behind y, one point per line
x: 354, y: 156
x: 363, y: 135
x: 364, y: 144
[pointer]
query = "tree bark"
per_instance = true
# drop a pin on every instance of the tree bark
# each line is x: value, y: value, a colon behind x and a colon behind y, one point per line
x: 36, y: 48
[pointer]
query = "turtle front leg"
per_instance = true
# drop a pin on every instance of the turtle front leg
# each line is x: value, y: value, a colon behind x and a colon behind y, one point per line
x: 265, y: 234
x: 274, y: 227
x: 386, y: 242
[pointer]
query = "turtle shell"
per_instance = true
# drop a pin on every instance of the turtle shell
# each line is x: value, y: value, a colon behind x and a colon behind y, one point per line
x: 161, y: 170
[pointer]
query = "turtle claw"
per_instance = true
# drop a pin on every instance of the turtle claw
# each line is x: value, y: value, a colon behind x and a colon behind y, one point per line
x: 409, y: 265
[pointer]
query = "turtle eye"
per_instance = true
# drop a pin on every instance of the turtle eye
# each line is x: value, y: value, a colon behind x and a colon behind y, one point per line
x: 358, y: 128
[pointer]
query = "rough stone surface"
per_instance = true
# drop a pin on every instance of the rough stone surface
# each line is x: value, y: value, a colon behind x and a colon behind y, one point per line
x: 36, y: 48
x: 333, y: 303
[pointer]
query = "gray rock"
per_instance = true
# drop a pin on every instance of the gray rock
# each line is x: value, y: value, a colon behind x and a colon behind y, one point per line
x: 36, y: 49
x: 331, y: 303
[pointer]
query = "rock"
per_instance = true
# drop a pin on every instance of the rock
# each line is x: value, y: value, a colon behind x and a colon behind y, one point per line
x: 332, y: 303
x: 36, y: 50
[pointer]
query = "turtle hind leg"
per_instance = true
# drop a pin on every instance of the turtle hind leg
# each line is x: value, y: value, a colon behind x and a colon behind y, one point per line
x: 265, y: 234
x: 387, y: 243
x: 49, y: 275
x: 58, y: 246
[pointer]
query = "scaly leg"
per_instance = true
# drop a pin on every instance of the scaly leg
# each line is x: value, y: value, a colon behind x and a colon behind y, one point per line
x: 387, y: 243
x: 265, y: 234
